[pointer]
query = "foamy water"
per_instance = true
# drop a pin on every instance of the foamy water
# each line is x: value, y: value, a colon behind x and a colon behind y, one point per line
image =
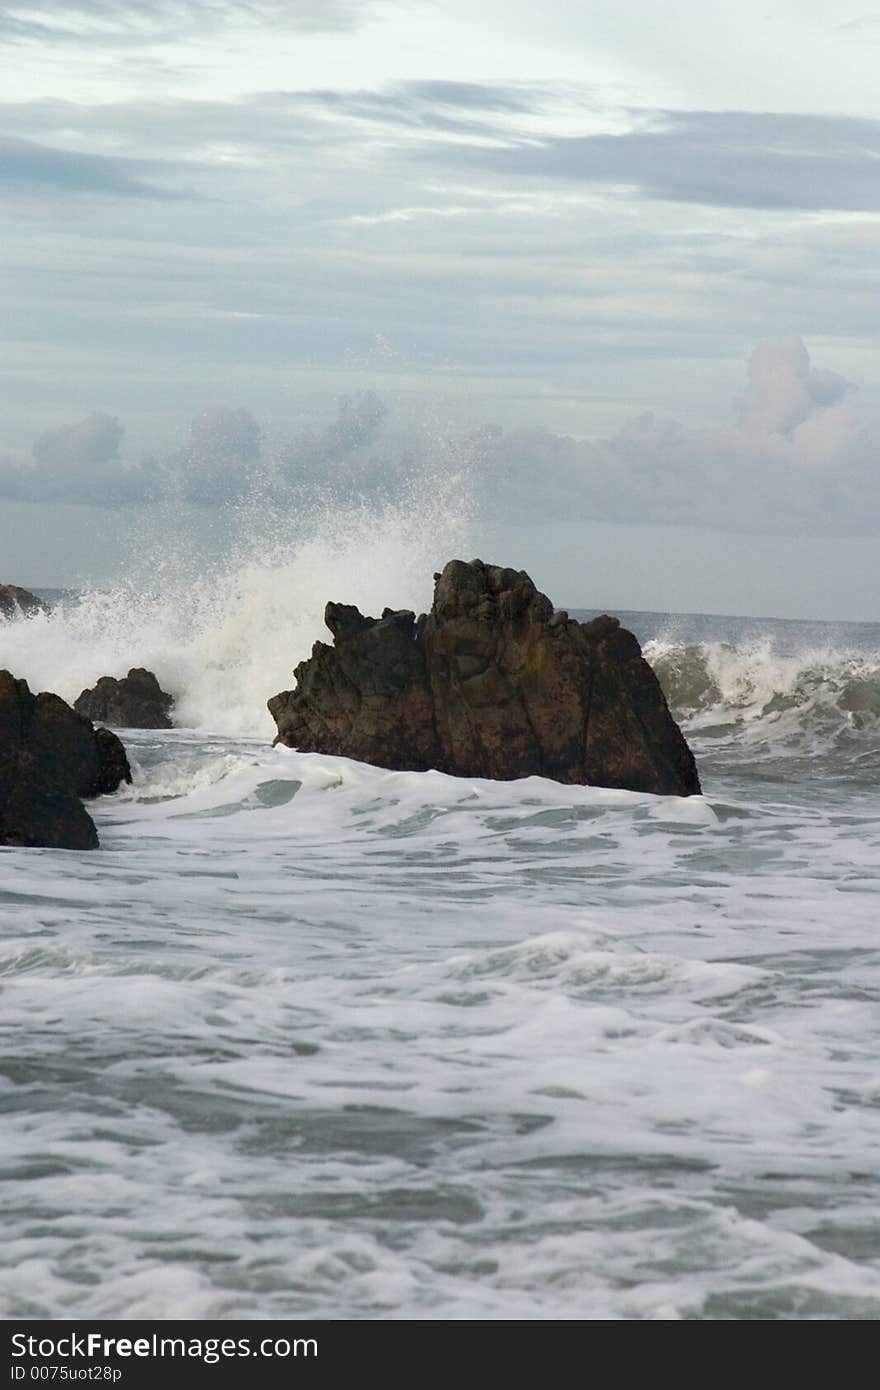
x: 309, y: 1038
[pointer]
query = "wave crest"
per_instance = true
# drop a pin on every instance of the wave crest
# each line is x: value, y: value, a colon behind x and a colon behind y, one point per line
x: 717, y: 688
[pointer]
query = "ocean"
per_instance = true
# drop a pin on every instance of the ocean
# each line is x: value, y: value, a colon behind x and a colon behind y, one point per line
x: 307, y: 1038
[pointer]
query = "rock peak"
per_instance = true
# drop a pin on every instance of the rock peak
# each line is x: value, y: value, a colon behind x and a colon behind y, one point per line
x: 137, y: 701
x: 493, y: 682
x: 16, y: 602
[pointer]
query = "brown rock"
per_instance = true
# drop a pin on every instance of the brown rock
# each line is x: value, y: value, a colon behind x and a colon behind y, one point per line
x: 137, y: 701
x: 16, y: 602
x: 491, y: 683
x: 50, y: 758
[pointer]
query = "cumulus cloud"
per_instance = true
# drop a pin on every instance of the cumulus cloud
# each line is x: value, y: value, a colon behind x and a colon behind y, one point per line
x: 797, y: 458
x: 225, y: 459
x: 80, y: 463
x: 222, y: 458
x: 332, y: 460
x: 91, y: 443
x: 784, y: 390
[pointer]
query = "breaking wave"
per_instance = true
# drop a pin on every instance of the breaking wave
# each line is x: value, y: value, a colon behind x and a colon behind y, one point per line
x: 223, y: 636
x: 717, y: 689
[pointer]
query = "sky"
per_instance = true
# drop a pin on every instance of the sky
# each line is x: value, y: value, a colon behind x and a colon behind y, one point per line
x: 614, y: 264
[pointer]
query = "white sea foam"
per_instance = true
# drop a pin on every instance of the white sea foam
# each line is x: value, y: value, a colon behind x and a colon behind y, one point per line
x: 311, y: 1038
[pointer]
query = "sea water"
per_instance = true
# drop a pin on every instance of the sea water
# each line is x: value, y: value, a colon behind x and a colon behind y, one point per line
x: 306, y: 1038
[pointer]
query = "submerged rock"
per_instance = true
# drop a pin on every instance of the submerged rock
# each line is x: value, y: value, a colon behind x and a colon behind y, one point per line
x: 491, y: 683
x: 50, y: 759
x: 16, y: 602
x: 137, y: 701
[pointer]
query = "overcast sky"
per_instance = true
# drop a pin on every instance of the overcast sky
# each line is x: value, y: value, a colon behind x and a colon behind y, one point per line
x: 615, y: 262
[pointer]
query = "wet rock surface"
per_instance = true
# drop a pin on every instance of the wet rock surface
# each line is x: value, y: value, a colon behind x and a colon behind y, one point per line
x: 50, y: 759
x: 137, y: 701
x: 493, y: 682
x: 16, y: 602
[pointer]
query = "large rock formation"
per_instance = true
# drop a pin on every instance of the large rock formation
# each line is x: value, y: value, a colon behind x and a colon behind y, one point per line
x: 16, y: 602
x: 50, y: 758
x: 137, y: 701
x: 491, y: 683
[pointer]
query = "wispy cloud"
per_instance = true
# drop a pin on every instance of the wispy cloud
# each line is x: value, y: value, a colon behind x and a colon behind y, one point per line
x: 272, y: 121
x: 152, y: 21
x: 724, y: 159
x: 27, y: 163
x: 864, y: 24
x: 759, y: 160
x: 505, y: 255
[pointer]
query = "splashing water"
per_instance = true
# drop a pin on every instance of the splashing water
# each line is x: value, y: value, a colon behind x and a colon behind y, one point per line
x: 223, y: 636
x: 223, y: 616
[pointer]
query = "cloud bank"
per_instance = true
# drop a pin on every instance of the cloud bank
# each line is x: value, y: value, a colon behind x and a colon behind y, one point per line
x: 796, y: 457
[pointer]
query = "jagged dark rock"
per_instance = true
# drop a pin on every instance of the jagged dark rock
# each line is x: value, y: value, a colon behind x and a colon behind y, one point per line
x: 113, y: 767
x: 137, y: 701
x: 50, y: 758
x: 16, y: 602
x: 491, y: 683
